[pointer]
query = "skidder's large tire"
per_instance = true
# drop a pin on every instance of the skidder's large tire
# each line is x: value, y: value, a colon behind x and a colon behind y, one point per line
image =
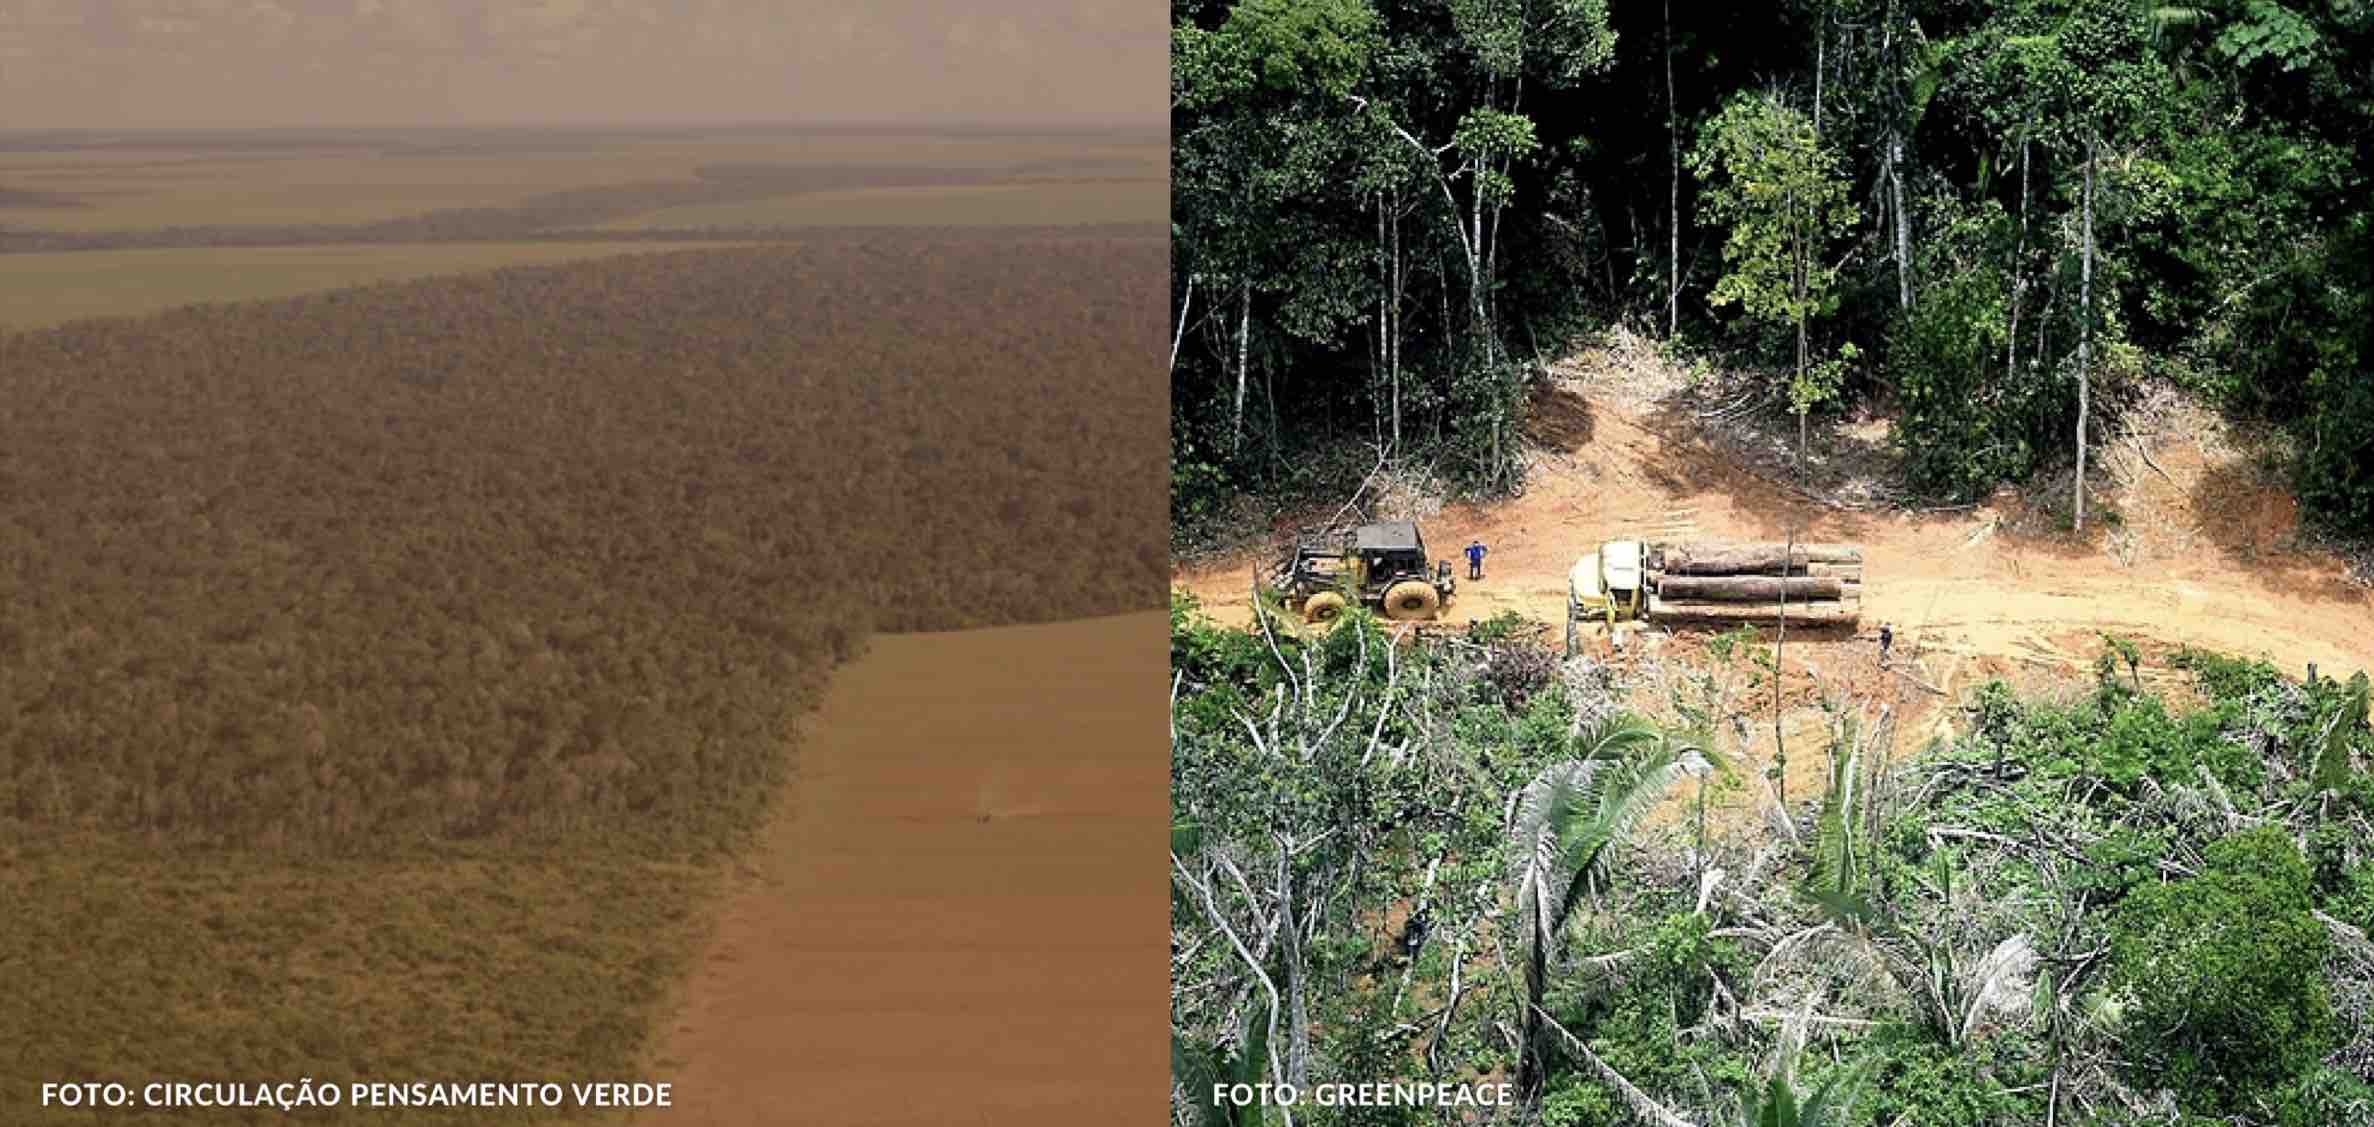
x: 1323, y: 608
x: 1412, y: 600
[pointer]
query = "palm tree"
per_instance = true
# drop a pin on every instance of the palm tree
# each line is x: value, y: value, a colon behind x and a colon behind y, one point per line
x: 1197, y: 1069
x: 1562, y: 827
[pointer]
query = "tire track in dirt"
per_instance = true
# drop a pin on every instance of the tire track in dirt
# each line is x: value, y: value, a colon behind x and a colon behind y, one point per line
x: 949, y: 920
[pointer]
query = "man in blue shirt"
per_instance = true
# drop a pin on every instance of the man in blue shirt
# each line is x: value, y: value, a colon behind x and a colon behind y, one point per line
x: 1475, y: 559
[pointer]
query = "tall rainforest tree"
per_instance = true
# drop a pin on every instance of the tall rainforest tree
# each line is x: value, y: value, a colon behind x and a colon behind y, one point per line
x: 1498, y: 45
x: 1267, y: 138
x: 1382, y: 207
x: 1784, y: 193
x: 2085, y: 77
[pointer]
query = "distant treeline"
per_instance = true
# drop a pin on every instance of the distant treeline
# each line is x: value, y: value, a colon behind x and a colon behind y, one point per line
x: 500, y: 140
x: 540, y: 215
x: 549, y: 553
x: 29, y: 197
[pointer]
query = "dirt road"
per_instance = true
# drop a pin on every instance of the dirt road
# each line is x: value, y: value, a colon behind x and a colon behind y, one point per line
x: 2198, y: 555
x: 951, y: 921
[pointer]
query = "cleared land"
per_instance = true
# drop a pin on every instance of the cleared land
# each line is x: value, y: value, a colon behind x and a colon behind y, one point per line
x: 986, y: 205
x: 48, y: 289
x: 1972, y: 594
x: 958, y: 792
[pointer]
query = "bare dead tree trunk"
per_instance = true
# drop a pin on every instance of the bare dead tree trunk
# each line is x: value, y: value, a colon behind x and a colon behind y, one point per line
x: 1393, y: 360
x: 1894, y: 172
x: 2085, y: 336
x: 1903, y: 222
x: 1801, y: 411
x: 1800, y: 280
x: 1821, y: 45
x: 1382, y: 361
x: 2019, y: 268
x: 1186, y: 301
x: 1244, y: 340
x: 1298, y: 1036
x: 1673, y: 138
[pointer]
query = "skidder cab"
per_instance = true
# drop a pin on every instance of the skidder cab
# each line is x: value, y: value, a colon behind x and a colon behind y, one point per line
x: 1382, y: 565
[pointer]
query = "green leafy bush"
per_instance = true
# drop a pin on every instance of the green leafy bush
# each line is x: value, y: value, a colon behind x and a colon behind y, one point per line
x: 2222, y: 973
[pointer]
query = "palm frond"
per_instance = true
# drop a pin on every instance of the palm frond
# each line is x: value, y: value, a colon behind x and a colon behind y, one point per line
x: 1830, y: 1103
x: 1626, y: 794
x: 1613, y: 736
x: 1197, y: 1068
x: 1546, y: 812
x: 1186, y: 837
x: 1999, y: 983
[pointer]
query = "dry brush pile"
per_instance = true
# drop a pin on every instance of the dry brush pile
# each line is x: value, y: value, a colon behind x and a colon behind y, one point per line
x: 550, y: 553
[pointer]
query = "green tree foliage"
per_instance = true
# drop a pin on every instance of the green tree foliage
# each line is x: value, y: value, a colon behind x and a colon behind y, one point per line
x: 2176, y: 192
x: 1783, y: 193
x: 2222, y: 969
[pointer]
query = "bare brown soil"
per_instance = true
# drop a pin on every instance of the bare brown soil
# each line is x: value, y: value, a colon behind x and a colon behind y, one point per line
x: 950, y: 920
x: 2203, y: 553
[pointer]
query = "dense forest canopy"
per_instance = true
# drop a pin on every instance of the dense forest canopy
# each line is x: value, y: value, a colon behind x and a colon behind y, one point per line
x: 1999, y: 218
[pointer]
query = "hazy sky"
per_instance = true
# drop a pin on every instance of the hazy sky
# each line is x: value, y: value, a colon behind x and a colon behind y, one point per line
x: 172, y: 63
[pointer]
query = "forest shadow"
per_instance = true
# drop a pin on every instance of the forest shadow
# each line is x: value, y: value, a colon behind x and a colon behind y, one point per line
x: 1834, y: 497
x: 1559, y: 418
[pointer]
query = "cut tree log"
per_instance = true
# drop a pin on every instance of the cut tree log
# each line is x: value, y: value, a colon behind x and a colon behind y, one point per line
x: 1752, y: 559
x: 1821, y: 613
x: 1838, y: 570
x: 1749, y: 588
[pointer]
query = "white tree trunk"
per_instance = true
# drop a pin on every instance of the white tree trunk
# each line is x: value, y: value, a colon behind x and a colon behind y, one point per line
x: 1185, y: 301
x: 1244, y: 339
x: 2019, y: 269
x: 1673, y: 137
x: 2085, y: 336
x: 1821, y: 45
x: 1903, y: 222
x: 1393, y: 338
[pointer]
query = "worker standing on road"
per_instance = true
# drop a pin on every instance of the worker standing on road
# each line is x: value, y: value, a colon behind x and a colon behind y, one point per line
x: 1887, y: 637
x: 1475, y: 559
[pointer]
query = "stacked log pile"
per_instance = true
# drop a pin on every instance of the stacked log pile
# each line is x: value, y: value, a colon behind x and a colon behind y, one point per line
x: 1725, y: 583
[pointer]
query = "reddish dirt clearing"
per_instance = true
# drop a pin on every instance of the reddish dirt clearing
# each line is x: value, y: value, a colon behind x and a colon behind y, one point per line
x: 951, y: 919
x: 2196, y: 559
x: 1954, y: 583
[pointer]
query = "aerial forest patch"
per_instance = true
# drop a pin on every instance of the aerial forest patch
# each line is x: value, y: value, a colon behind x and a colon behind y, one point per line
x: 550, y: 553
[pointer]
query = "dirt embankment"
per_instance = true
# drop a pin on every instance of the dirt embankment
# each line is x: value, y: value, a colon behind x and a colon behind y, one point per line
x: 948, y: 921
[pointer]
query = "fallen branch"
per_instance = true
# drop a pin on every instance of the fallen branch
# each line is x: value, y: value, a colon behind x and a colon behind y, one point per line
x: 1356, y: 492
x: 1931, y: 689
x: 1772, y: 1015
x: 2145, y: 453
x: 1642, y: 1104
